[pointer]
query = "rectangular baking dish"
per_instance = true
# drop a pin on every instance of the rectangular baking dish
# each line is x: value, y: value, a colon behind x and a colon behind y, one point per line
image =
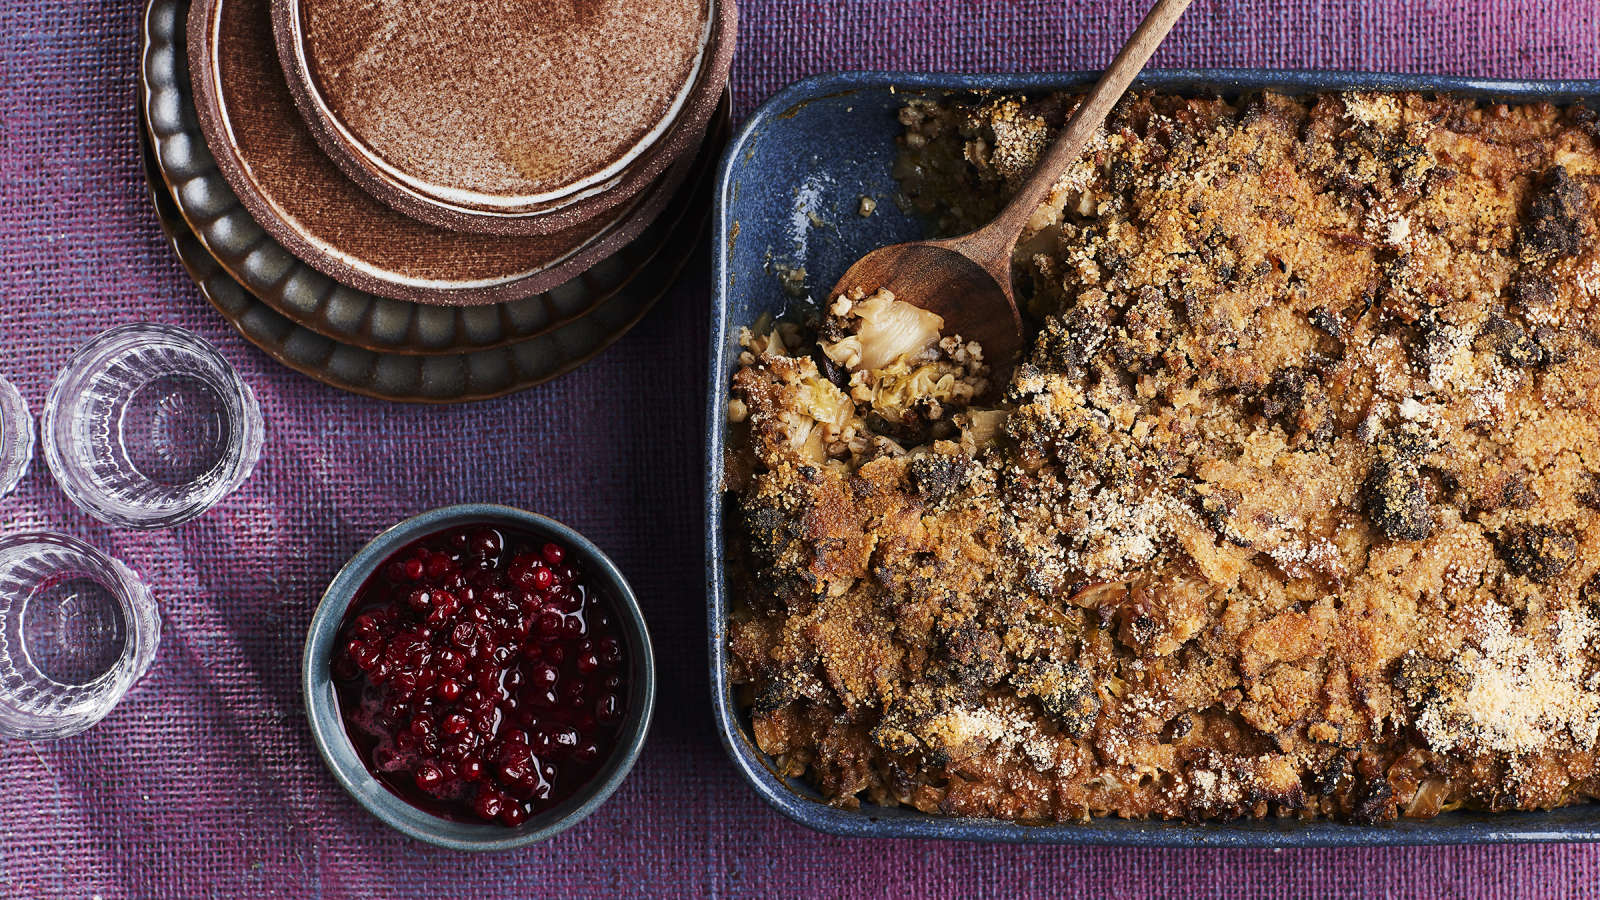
x: 789, y: 200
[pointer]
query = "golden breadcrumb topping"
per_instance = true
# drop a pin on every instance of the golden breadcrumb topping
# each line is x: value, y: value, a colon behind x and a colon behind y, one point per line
x: 1291, y: 511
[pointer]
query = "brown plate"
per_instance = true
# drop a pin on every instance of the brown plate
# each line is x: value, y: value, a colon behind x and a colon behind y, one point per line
x: 267, y: 155
x: 308, y: 297
x: 442, y: 111
x: 453, y: 378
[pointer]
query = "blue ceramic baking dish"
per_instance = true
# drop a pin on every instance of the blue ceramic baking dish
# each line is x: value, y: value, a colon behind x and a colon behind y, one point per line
x: 789, y: 202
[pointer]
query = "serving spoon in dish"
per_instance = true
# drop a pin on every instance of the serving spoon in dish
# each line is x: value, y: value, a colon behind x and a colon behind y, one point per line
x: 966, y: 280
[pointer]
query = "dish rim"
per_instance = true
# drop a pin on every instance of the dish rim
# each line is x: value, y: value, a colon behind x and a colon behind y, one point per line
x: 791, y: 801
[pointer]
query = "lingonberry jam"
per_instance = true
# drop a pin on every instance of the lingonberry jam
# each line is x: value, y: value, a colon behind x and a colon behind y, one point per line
x: 478, y: 675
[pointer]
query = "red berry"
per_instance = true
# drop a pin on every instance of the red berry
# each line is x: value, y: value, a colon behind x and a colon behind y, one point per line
x: 362, y: 655
x: 485, y: 542
x: 518, y: 628
x: 439, y: 566
x: 562, y: 738
x: 429, y: 777
x: 567, y: 600
x: 521, y: 571
x: 608, y: 709
x: 413, y: 569
x: 553, y: 554
x: 543, y: 676
x: 548, y: 625
x: 447, y: 660
x: 609, y: 652
x: 543, y: 578
x: 514, y: 771
x: 488, y: 804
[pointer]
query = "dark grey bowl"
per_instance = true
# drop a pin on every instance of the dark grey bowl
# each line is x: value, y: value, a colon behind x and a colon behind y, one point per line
x: 788, y: 192
x: 328, y: 730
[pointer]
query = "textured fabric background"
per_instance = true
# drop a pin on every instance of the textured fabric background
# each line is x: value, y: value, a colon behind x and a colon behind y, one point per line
x: 205, y: 782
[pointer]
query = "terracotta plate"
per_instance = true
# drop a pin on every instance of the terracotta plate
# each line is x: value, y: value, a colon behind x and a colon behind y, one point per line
x: 310, y: 298
x: 500, y: 116
x: 451, y: 378
x: 266, y: 153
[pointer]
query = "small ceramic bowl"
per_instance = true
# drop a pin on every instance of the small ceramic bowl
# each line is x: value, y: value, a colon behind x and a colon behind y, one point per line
x: 327, y: 728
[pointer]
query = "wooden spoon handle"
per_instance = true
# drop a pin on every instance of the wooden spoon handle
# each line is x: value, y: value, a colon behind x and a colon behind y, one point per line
x: 994, y: 242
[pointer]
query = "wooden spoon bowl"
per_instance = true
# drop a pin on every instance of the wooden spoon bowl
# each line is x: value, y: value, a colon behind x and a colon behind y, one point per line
x: 967, y: 280
x: 975, y: 302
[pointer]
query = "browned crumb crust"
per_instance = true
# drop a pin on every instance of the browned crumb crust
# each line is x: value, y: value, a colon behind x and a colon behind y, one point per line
x: 1291, y: 513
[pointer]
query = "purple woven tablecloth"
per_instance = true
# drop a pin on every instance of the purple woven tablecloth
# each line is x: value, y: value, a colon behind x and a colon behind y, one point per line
x: 204, y: 782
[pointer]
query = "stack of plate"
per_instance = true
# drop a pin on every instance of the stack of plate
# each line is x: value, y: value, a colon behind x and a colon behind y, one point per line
x: 417, y: 201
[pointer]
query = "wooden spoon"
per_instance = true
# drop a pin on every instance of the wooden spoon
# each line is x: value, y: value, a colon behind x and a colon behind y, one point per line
x: 967, y: 279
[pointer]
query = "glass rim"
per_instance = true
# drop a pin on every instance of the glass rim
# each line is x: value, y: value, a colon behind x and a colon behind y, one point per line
x: 142, y: 625
x: 18, y: 436
x: 246, y: 432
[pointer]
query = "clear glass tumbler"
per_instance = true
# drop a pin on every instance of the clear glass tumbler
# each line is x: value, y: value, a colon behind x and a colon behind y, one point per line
x: 148, y: 426
x: 16, y: 437
x: 77, y: 629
